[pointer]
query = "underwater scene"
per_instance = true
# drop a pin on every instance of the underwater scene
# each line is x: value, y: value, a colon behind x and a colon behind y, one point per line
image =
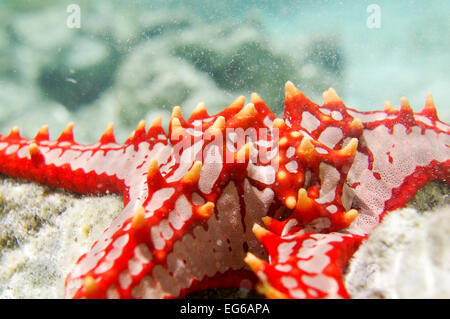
x: 290, y: 149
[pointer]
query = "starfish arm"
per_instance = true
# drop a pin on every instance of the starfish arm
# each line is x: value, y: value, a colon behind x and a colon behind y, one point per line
x: 402, y: 152
x: 398, y: 152
x: 304, y: 265
x: 60, y: 163
x: 98, y: 168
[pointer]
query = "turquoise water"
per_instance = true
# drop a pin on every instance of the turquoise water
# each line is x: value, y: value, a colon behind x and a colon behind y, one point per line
x: 408, y: 55
x: 130, y: 60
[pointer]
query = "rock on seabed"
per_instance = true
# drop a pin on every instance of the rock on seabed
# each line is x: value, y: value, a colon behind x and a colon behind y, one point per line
x: 407, y: 256
x: 43, y: 231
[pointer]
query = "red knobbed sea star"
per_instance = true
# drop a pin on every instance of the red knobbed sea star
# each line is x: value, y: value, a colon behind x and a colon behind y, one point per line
x: 196, y: 198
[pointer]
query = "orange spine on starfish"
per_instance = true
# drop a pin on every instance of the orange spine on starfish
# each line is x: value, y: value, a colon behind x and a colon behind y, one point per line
x: 108, y: 136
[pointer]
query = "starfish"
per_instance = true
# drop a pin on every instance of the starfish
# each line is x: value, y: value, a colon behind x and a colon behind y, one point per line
x: 197, y: 197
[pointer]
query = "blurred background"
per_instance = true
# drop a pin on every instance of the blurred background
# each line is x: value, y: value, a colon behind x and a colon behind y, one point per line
x: 95, y: 62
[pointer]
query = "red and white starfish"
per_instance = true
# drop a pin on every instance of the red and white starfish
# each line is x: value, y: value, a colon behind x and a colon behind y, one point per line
x: 321, y: 179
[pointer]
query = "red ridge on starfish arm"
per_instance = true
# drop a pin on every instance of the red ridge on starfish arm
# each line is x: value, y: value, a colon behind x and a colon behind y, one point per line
x: 320, y: 179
